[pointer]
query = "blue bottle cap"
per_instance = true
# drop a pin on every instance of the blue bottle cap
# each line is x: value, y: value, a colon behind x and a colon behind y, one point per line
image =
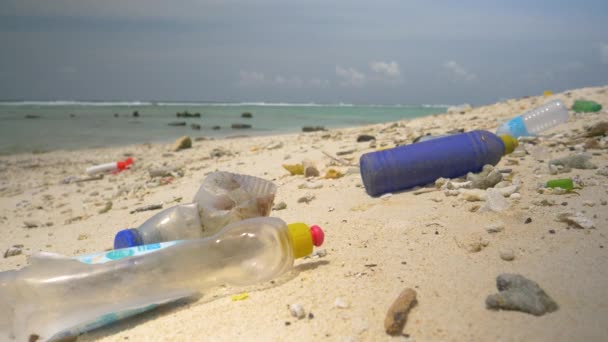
x: 126, y: 238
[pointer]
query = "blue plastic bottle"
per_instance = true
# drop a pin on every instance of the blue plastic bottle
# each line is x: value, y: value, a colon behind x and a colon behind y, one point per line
x: 418, y: 164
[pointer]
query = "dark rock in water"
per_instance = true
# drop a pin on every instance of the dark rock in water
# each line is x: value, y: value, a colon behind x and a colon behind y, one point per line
x: 240, y: 126
x: 195, y: 126
x: 312, y: 128
x: 215, y: 128
x: 365, y: 137
x: 72, y: 115
x: 520, y: 294
x: 186, y: 114
x: 115, y: 115
x: 179, y: 123
x: 136, y: 114
x: 247, y: 115
x: 32, y: 116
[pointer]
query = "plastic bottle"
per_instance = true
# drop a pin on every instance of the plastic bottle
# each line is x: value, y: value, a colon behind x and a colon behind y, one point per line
x: 536, y: 120
x: 110, y: 167
x: 56, y: 296
x: 452, y: 156
x: 565, y: 183
x: 584, y: 106
x: 222, y: 198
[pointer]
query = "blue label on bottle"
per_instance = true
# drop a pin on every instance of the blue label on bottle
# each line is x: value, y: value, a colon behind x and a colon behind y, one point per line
x: 113, y: 255
x: 515, y: 127
x: 117, y: 254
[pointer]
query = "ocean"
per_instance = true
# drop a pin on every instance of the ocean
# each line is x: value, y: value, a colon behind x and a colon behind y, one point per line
x: 40, y: 126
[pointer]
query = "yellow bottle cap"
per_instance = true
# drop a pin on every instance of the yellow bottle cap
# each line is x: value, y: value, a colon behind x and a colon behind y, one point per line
x: 510, y: 143
x: 301, y: 239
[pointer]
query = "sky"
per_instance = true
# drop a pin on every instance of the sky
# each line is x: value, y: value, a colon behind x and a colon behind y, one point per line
x: 339, y: 51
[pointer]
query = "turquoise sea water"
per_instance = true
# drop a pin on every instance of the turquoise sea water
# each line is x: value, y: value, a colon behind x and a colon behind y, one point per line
x: 76, y: 125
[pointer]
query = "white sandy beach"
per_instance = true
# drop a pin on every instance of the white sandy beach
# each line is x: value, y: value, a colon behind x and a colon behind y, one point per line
x: 376, y: 247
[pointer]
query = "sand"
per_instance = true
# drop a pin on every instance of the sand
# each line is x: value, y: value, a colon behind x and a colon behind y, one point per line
x: 376, y: 247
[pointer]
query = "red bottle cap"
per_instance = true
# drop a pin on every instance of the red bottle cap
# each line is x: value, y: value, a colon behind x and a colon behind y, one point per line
x: 121, y: 165
x: 317, y: 235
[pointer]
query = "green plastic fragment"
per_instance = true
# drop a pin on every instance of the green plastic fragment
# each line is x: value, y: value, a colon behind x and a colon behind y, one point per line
x: 584, y: 106
x: 565, y: 184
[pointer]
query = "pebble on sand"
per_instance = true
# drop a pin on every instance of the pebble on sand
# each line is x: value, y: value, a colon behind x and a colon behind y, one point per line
x: 280, y: 206
x: 520, y: 294
x: 306, y: 199
x: 182, y: 143
x: 32, y: 224
x: 106, y: 207
x: 495, y: 228
x: 297, y: 310
x: 310, y: 170
x: 576, y: 161
x: 341, y: 303
x: 13, y: 250
x: 507, y: 255
x: 577, y: 220
x: 487, y: 178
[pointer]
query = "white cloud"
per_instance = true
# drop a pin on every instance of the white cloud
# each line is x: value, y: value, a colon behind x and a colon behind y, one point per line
x: 604, y: 52
x: 459, y: 71
x: 256, y: 78
x: 388, y: 69
x: 350, y: 77
x: 251, y: 78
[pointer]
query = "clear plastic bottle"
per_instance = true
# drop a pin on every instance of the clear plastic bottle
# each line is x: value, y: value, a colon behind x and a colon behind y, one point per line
x: 536, y: 120
x: 56, y: 296
x: 223, y: 198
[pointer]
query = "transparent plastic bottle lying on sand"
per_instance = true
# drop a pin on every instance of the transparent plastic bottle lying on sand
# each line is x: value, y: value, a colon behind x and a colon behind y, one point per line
x: 535, y: 120
x: 223, y: 198
x: 56, y: 296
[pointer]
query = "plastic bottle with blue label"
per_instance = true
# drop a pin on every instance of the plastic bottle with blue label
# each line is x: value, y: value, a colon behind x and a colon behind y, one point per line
x: 535, y: 120
x: 57, y: 297
x: 405, y: 167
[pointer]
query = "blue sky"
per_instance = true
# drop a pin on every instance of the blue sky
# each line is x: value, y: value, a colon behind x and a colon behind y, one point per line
x: 381, y: 52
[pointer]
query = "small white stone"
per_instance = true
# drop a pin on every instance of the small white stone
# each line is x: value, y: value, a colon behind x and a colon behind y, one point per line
x: 578, y: 220
x: 494, y: 201
x: 518, y: 154
x: 473, y: 195
x: 386, y: 196
x: 340, y: 303
x: 320, y: 253
x: 495, y: 228
x: 310, y: 185
x: 507, y: 255
x: 297, y: 310
x: 515, y: 196
x: 507, y: 191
